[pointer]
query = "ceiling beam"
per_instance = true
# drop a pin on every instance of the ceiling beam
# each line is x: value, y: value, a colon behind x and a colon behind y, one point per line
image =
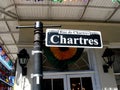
x: 6, y: 13
x: 112, y: 14
x: 2, y: 42
x: 9, y: 10
x: 70, y: 20
x: 59, y: 5
x: 85, y: 10
x: 11, y: 35
x: 10, y: 32
x: 16, y: 9
x: 12, y: 13
x: 49, y: 10
x: 18, y: 45
x: 7, y: 19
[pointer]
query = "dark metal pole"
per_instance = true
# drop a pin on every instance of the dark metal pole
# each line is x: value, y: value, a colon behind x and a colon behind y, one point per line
x: 37, y: 52
x: 37, y: 75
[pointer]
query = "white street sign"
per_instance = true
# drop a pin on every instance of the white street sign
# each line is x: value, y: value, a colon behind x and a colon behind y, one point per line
x: 73, y: 38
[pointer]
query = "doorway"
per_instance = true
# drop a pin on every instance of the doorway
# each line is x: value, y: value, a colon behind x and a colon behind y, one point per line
x: 68, y: 82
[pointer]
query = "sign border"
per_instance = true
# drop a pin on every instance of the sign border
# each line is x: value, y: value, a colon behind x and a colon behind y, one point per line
x: 49, y: 29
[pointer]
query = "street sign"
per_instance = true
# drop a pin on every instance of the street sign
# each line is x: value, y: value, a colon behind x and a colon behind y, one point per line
x: 73, y: 38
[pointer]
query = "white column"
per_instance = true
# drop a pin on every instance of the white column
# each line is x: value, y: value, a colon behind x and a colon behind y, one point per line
x: 107, y: 80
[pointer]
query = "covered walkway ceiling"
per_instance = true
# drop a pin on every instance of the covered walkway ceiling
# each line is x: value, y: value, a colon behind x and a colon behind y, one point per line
x: 24, y: 12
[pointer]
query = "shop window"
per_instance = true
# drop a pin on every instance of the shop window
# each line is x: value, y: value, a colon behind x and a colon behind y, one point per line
x: 83, y: 83
x: 48, y: 83
x: 81, y: 64
x: 53, y: 84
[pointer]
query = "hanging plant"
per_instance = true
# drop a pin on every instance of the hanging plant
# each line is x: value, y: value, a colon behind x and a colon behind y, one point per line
x: 60, y: 57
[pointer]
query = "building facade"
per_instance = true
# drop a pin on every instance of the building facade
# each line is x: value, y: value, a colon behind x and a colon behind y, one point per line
x: 86, y: 73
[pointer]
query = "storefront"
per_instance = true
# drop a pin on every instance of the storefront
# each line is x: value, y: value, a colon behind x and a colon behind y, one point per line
x: 84, y: 73
x: 73, y: 77
x: 88, y: 71
x: 69, y: 81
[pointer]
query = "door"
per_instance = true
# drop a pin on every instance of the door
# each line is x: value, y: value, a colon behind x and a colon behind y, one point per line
x: 82, y: 81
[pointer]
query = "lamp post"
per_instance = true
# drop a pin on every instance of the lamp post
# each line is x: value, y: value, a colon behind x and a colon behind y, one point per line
x: 37, y: 75
x: 37, y: 52
x: 23, y: 58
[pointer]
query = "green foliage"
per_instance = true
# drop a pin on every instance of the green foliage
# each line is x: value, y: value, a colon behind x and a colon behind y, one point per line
x: 116, y: 1
x: 57, y: 1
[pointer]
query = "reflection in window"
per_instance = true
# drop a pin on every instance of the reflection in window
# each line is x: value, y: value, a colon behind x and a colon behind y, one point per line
x: 84, y: 83
x: 75, y: 83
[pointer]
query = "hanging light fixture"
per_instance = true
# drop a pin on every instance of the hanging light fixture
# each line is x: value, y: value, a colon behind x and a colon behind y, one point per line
x: 23, y: 58
x: 108, y: 57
